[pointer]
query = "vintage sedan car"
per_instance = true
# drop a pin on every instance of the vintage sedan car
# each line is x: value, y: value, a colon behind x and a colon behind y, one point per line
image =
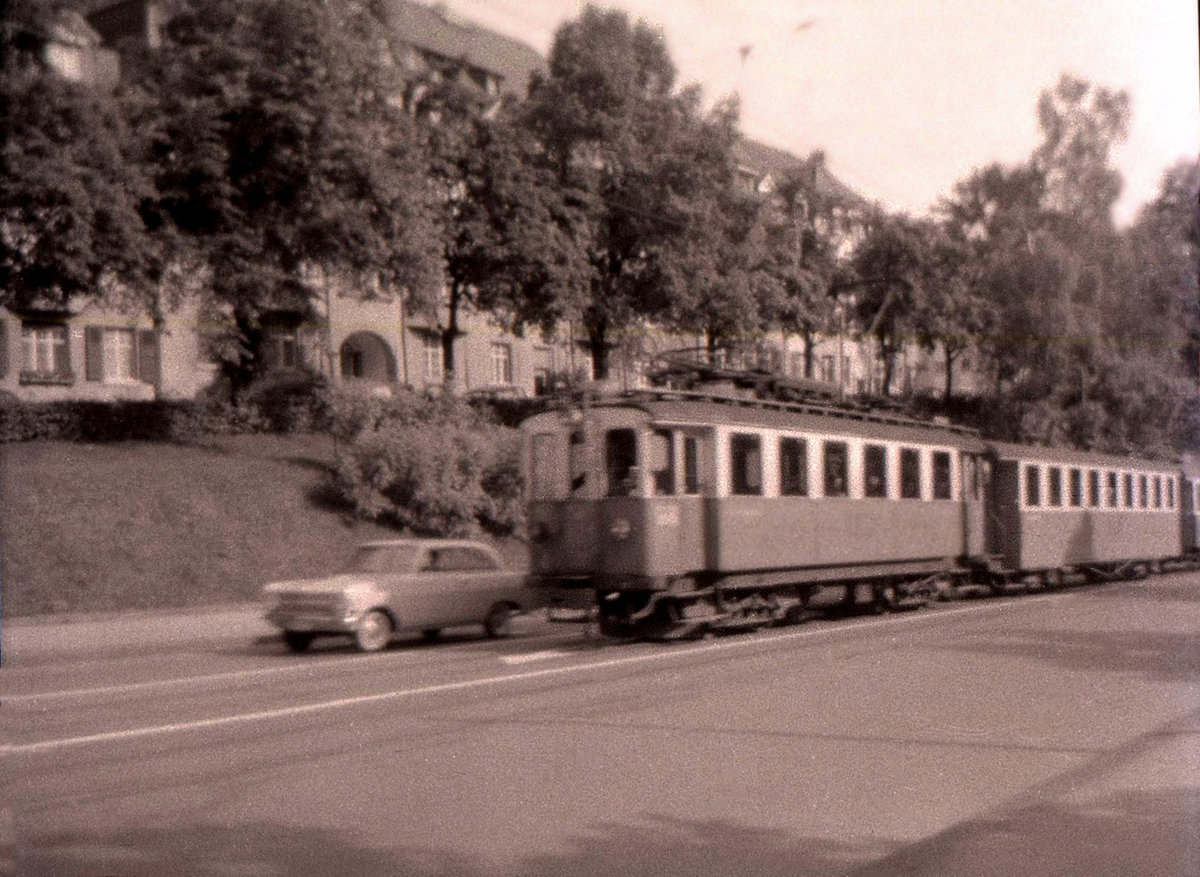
x: 398, y: 586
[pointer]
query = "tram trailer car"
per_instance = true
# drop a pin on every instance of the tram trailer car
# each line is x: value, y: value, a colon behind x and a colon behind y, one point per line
x: 1053, y: 511
x: 684, y: 513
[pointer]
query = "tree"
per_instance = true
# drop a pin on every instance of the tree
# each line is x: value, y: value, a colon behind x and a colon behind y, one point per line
x: 889, y: 265
x: 71, y: 189
x: 617, y: 135
x: 283, y: 156
x: 506, y: 225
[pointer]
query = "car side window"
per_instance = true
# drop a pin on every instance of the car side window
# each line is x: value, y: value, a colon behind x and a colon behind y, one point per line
x: 459, y: 559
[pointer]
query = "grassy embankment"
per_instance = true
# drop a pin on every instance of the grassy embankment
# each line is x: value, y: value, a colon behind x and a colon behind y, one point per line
x: 142, y: 525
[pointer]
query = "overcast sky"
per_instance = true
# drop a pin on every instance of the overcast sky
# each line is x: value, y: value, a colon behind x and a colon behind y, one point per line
x: 907, y: 96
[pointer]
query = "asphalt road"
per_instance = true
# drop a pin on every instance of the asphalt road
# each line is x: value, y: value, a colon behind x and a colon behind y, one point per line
x: 1054, y: 734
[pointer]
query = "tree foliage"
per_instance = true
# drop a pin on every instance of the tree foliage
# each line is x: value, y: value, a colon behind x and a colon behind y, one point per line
x: 281, y: 153
x: 72, y: 191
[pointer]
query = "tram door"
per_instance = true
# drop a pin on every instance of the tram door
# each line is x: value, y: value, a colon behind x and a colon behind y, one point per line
x: 1188, y: 518
x: 975, y: 473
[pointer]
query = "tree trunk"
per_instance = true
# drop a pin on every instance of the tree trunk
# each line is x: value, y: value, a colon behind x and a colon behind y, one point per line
x: 598, y: 341
x: 449, y: 336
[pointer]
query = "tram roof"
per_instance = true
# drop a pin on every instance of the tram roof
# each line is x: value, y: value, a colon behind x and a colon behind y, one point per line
x: 696, y: 408
x: 1068, y: 456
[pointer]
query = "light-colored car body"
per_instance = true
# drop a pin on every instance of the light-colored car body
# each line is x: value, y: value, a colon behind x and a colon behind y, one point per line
x: 402, y: 585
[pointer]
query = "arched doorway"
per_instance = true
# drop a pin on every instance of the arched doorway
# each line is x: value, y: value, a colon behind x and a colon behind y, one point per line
x: 366, y: 358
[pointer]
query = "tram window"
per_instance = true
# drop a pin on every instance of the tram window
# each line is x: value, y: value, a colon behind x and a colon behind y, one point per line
x: 1142, y: 491
x: 660, y: 458
x: 1056, y: 486
x: 875, y: 471
x: 793, y: 467
x: 836, y: 481
x: 1171, y: 492
x: 941, y: 475
x: 1076, y: 477
x: 1093, y: 499
x: 691, y: 464
x: 910, y: 473
x: 620, y: 458
x: 1111, y: 495
x: 746, y: 463
x: 1128, y: 490
x: 1033, y: 486
x: 1158, y: 491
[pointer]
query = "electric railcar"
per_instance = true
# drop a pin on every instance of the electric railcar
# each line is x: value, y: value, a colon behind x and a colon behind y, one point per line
x: 684, y: 513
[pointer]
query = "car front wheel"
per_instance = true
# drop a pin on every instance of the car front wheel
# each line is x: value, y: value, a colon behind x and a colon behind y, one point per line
x: 374, y: 631
x: 499, y: 621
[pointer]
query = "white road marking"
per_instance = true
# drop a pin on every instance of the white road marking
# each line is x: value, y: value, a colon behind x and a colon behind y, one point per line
x: 665, y: 654
x: 123, y: 687
x: 525, y: 658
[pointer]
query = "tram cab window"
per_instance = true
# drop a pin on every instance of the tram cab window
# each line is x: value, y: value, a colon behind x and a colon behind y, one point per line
x: 910, y: 473
x: 745, y: 459
x: 1171, y: 492
x: 836, y: 469
x: 1128, y: 490
x: 1076, y: 484
x: 793, y: 467
x: 875, y: 471
x: 1056, y: 486
x: 1112, y: 494
x: 1158, y: 491
x: 1033, y: 486
x: 941, y: 475
x: 620, y: 461
x: 660, y: 459
x: 1093, y: 488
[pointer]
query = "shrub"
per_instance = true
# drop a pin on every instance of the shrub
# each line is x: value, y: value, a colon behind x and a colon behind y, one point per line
x: 444, y: 476
x: 289, y: 401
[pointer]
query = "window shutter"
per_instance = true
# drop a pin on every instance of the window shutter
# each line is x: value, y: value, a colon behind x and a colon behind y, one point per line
x: 93, y: 353
x: 3, y: 348
x: 148, y: 363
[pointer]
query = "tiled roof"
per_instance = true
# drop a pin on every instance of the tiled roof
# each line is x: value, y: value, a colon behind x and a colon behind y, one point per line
x: 761, y: 159
x: 435, y: 30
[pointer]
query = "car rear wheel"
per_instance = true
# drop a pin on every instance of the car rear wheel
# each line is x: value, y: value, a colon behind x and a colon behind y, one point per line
x: 429, y: 634
x: 499, y: 621
x: 296, y: 640
x: 374, y: 631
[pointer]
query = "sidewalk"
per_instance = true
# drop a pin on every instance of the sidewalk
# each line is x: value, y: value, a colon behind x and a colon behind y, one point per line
x: 39, y: 637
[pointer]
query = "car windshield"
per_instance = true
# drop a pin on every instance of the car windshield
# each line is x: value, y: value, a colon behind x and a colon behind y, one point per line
x: 385, y: 558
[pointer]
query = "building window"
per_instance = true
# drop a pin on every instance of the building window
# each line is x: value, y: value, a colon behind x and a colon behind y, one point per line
x: 875, y: 471
x: 1171, y: 492
x: 1128, y: 490
x: 745, y: 452
x: 502, y: 364
x: 1112, y: 493
x: 45, y: 355
x: 1093, y: 488
x: 1158, y: 491
x: 431, y: 346
x: 836, y: 467
x: 1142, y: 491
x: 793, y: 467
x: 1033, y: 486
x: 910, y: 473
x: 941, y: 475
